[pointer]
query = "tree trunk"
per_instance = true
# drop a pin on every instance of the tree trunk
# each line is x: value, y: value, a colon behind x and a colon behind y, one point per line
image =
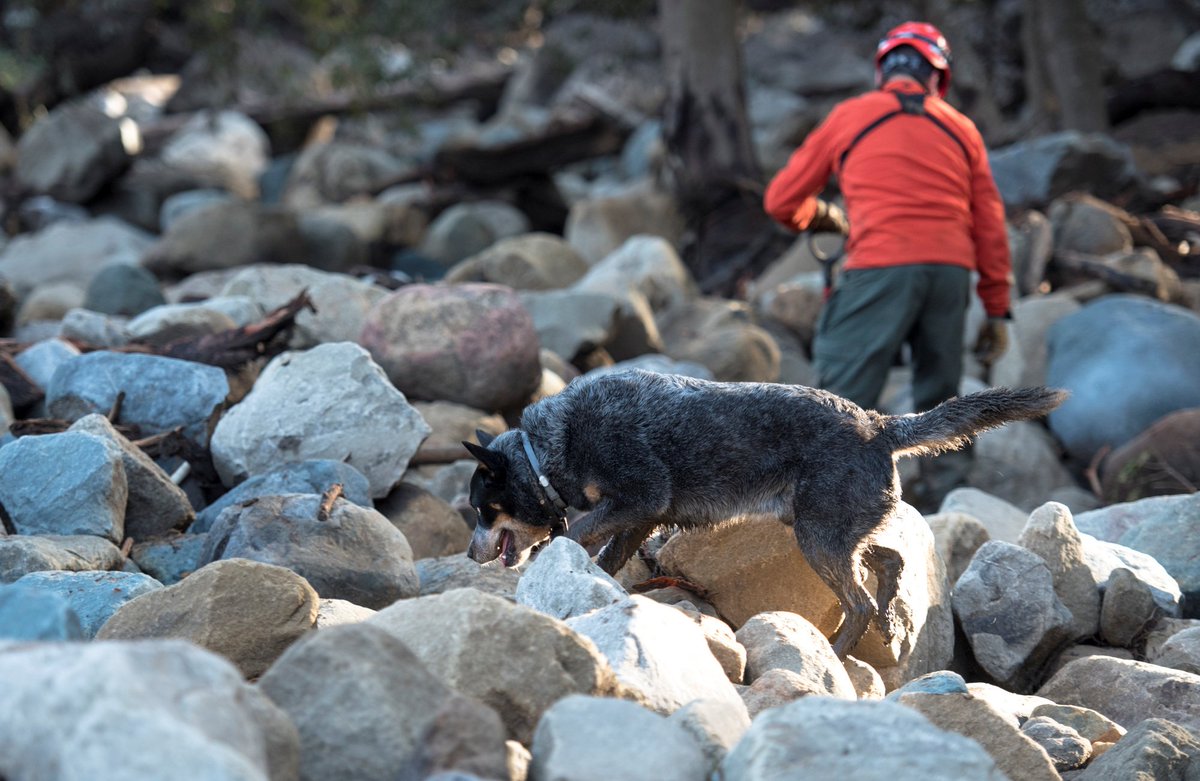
x: 1063, y: 65
x: 711, y: 165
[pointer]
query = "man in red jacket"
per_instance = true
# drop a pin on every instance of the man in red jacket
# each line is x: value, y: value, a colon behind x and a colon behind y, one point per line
x: 925, y: 213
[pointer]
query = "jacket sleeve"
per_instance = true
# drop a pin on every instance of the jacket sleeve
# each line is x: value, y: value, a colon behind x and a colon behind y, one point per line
x: 992, y: 258
x: 791, y: 195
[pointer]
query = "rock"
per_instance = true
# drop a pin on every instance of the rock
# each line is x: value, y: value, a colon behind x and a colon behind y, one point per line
x: 366, y: 708
x: 656, y: 652
x: 353, y: 554
x: 314, y: 476
x: 1090, y: 725
x: 182, y: 203
x: 49, y: 303
x: 1051, y: 534
x: 1128, y: 609
x: 431, y: 526
x: 1180, y: 652
x: 1154, y: 748
x: 1104, y: 558
x: 597, y: 227
x: 1035, y: 172
x: 940, y: 682
x: 774, y: 688
x: 1160, y: 527
x: 1162, y: 630
x: 658, y: 363
x: 151, y: 708
x: 1031, y: 241
x: 722, y: 641
x: 714, y: 725
x: 721, y: 335
x: 576, y: 737
x: 796, y: 304
x: 1019, y: 461
x: 93, y: 596
x: 64, y: 484
x: 331, y: 244
x: 781, y: 640
x: 1016, y: 754
x: 469, y: 228
x: 563, y: 582
x: 453, y: 424
x: 123, y: 289
x: 1083, y: 223
x: 164, y: 324
x: 868, y: 683
x: 29, y: 614
x: 74, y: 151
x: 223, y: 145
x: 447, y: 573
x: 1010, y: 613
x: 160, y: 393
x: 156, y: 505
x: 543, y: 660
x: 338, y: 612
x: 169, y: 559
x: 473, y: 344
x: 1159, y: 461
x: 646, y: 264
x: 1003, y: 521
x: 20, y: 554
x: 246, y: 611
x: 1127, y: 691
x: 533, y: 261
x: 70, y: 252
x: 1098, y: 352
x: 93, y: 328
x: 957, y: 536
x: 376, y: 223
x: 227, y: 235
x: 570, y: 322
x: 756, y: 566
x: 1024, y: 363
x: 335, y: 172
x: 1067, y: 749
x: 329, y: 402
x: 830, y: 738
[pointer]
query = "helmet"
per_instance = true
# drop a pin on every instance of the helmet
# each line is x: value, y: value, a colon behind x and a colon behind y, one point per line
x: 929, y: 43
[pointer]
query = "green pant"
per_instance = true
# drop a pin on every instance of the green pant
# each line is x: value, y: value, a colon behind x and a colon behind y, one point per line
x: 873, y: 312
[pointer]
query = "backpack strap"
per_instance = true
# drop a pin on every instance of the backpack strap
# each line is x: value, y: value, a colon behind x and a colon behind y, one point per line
x: 914, y: 105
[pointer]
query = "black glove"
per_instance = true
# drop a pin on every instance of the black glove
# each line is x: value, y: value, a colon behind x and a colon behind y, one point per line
x: 992, y: 341
x: 829, y: 219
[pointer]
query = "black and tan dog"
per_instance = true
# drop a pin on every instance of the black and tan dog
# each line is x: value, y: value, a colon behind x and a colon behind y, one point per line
x: 640, y: 450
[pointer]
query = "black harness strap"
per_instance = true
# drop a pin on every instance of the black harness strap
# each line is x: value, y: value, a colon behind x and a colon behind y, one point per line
x: 913, y: 105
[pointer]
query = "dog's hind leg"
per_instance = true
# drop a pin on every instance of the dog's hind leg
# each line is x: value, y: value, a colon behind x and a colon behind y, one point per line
x: 887, y: 564
x: 840, y: 565
x: 621, y: 548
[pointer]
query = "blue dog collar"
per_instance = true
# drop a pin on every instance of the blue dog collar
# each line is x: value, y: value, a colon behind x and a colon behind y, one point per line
x: 543, y: 481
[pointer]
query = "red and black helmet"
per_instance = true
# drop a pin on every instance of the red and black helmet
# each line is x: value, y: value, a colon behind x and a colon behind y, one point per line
x: 929, y: 43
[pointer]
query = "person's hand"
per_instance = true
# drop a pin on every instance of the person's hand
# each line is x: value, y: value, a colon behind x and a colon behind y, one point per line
x: 992, y: 341
x: 830, y: 219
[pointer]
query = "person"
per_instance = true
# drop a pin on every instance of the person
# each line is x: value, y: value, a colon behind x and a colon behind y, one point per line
x: 923, y: 212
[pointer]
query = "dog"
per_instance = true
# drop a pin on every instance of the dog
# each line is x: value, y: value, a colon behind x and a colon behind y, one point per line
x: 640, y: 450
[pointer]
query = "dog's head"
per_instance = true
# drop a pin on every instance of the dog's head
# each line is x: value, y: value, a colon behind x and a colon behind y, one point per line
x: 512, y: 515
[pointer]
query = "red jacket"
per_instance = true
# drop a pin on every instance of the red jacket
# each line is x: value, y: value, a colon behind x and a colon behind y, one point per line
x: 915, y: 192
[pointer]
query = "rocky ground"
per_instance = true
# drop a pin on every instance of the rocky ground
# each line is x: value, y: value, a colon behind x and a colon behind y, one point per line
x: 232, y: 534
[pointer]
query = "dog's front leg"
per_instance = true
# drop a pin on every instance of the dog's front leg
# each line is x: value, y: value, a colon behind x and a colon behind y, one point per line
x: 621, y: 548
x: 625, y: 526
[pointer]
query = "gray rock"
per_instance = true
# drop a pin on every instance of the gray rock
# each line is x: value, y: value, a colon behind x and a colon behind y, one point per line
x: 169, y: 559
x: 1163, y: 630
x: 455, y: 632
x: 366, y: 708
x: 447, y: 573
x: 1127, y: 611
x: 571, y: 322
x: 467, y: 229
x: 431, y: 526
x: 30, y: 614
x: 156, y: 505
x: 1127, y: 691
x: 576, y: 738
x: 168, y: 322
x: 342, y: 302
x: 1035, y: 172
x: 246, y: 611
x: 149, y: 706
x: 330, y: 402
x: 1154, y: 748
x: 160, y: 393
x: 775, y: 687
x: 722, y: 641
x: 336, y: 171
x: 123, y: 289
x: 72, y: 152
x: 1067, y: 749
x: 563, y: 582
x: 93, y: 596
x: 224, y: 146
x: 227, y: 235
x: 353, y: 554
x: 473, y: 344
x: 658, y: 652
x: 596, y: 227
x: 1104, y: 558
x: 723, y: 336
x: 1010, y: 613
x: 714, y: 725
x: 781, y: 640
x: 182, y: 203
x: 1092, y: 726
x: 70, y: 252
x: 533, y: 261
x: 331, y: 244
x: 453, y: 424
x: 21, y: 554
x: 958, y: 536
x: 646, y: 264
x: 48, y: 304
x: 338, y: 612
x: 314, y: 476
x: 1051, y: 533
x: 1106, y: 355
x: 828, y: 738
x: 1083, y: 223
x: 1002, y: 520
x: 64, y: 484
x: 93, y: 328
x: 42, y: 359
x: 1181, y: 651
x: 1024, y: 363
x: 940, y: 682
x: 1020, y: 461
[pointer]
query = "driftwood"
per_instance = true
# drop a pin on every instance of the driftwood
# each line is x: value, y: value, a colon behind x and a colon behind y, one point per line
x: 1094, y: 267
x: 328, y: 499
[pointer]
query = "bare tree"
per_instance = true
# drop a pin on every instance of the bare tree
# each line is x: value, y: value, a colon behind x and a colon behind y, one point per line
x: 712, y: 169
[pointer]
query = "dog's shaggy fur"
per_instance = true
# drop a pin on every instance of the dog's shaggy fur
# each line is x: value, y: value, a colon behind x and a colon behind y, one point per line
x: 640, y: 450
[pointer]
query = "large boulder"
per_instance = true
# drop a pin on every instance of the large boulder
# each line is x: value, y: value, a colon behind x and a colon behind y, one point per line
x: 74, y: 151
x: 93, y: 596
x: 474, y: 344
x: 430, y: 524
x: 1051, y: 534
x: 449, y: 573
x: 21, y: 554
x: 532, y: 261
x: 330, y: 402
x: 1153, y: 748
x: 468, y: 228
x: 70, y: 252
x: 598, y: 226
x: 1127, y: 691
x: 646, y: 264
x: 1019, y: 461
x: 1035, y: 172
x: 563, y: 582
x: 778, y: 640
x: 227, y: 235
x: 1162, y: 460
x: 1107, y: 355
x: 1105, y: 558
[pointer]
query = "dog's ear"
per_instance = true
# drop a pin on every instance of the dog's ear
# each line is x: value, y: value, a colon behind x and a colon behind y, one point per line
x: 491, y: 460
x: 484, y: 438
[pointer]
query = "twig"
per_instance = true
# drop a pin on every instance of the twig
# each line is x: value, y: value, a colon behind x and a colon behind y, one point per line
x: 126, y: 547
x: 115, y: 411
x: 327, y: 501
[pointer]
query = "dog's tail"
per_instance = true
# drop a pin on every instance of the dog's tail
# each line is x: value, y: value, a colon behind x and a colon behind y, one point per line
x: 951, y: 424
